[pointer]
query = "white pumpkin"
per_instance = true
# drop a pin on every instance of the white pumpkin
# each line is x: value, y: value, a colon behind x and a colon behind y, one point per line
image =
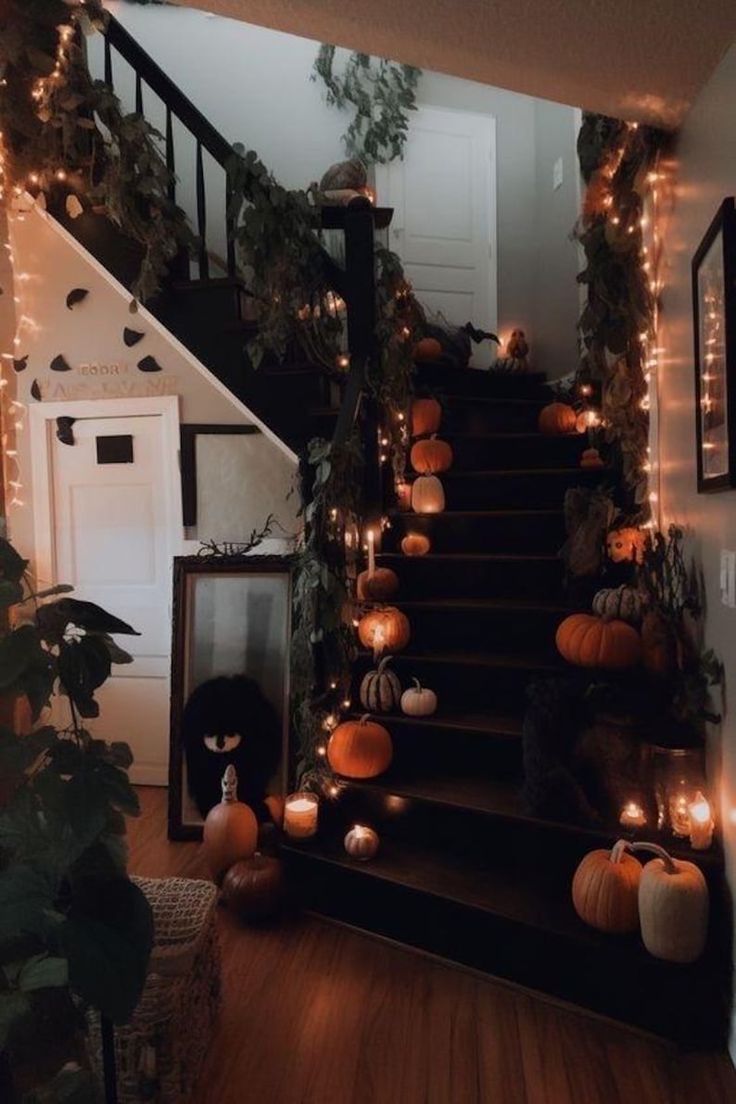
x: 361, y: 842
x: 673, y: 906
x: 418, y: 701
x: 427, y: 495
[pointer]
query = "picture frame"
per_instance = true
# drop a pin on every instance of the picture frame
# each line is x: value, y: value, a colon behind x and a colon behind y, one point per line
x: 714, y: 331
x: 190, y: 476
x: 231, y: 615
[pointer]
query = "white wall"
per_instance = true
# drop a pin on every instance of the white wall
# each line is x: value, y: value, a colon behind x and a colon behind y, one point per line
x: 706, y: 175
x: 253, y: 84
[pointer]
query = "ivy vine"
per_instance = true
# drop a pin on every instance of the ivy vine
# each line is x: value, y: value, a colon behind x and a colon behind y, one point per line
x: 382, y: 94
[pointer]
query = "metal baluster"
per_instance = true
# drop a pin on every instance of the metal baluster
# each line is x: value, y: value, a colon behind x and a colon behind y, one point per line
x: 170, y: 155
x: 138, y: 94
x: 108, y: 63
x: 204, y: 263
x: 229, y: 229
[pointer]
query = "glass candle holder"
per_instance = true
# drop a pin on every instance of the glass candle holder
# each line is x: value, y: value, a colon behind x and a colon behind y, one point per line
x: 301, y: 814
x: 679, y: 776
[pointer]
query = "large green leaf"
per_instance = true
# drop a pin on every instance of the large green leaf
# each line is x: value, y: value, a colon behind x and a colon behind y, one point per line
x: 107, y: 938
x: 12, y: 566
x: 27, y: 902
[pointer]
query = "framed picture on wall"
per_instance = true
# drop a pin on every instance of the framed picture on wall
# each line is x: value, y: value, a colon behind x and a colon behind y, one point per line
x: 714, y: 328
x: 216, y: 464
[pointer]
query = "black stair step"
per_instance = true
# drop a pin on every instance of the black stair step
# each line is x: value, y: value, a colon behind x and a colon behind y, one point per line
x: 477, y: 414
x: 442, y: 375
x: 512, y: 919
x: 533, y: 488
x: 492, y: 530
x: 488, y: 624
x: 475, y: 575
x: 513, y: 451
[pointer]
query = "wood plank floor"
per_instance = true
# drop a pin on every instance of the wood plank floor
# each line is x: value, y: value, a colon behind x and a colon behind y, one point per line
x: 317, y: 1014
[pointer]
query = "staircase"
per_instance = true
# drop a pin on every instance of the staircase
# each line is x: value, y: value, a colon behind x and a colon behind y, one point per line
x: 464, y: 870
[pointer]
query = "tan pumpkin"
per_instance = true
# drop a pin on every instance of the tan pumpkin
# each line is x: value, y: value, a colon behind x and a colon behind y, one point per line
x: 415, y: 544
x: 428, y: 348
x: 673, y: 906
x: 384, y: 630
x: 431, y: 456
x: 360, y: 749
x: 621, y: 603
x: 230, y: 829
x: 361, y: 843
x: 254, y: 888
x: 605, y: 890
x: 427, y: 495
x: 658, y: 644
x: 379, y: 586
x: 426, y: 415
x: 589, y: 641
x: 380, y: 690
x: 591, y: 458
x: 557, y: 418
x: 623, y: 545
x: 418, y: 701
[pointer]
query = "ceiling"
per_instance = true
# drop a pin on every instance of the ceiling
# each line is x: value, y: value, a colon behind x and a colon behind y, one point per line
x: 642, y: 60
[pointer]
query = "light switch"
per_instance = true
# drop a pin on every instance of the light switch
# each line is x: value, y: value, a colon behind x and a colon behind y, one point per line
x: 557, y: 174
x: 728, y: 578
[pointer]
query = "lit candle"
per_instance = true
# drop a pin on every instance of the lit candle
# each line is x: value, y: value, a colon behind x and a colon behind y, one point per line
x: 679, y: 814
x: 371, y: 538
x: 632, y: 816
x: 701, y: 823
x: 300, y: 815
x: 403, y: 494
x: 379, y: 641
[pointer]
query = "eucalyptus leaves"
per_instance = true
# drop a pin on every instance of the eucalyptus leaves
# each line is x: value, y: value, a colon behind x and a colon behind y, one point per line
x: 381, y: 92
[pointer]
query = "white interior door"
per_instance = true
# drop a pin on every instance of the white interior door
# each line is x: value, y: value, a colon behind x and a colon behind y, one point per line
x: 444, y: 225
x: 112, y: 537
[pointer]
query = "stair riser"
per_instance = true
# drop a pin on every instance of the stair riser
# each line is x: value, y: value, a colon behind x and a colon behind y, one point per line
x: 478, y: 629
x: 467, y: 416
x: 495, y: 453
x: 461, y: 687
x: 481, y: 753
x: 445, y: 380
x: 458, y: 533
x: 421, y: 577
x: 679, y: 1005
x: 538, y: 490
x: 211, y: 308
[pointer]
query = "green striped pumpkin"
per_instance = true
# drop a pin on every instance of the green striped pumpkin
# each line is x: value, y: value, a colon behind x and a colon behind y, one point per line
x: 622, y: 603
x: 380, y: 690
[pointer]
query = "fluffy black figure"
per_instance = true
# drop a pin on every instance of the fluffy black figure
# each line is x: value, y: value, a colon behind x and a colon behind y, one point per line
x: 229, y: 720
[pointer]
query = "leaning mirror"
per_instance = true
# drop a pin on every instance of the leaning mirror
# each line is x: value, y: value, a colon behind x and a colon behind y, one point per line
x: 229, y: 684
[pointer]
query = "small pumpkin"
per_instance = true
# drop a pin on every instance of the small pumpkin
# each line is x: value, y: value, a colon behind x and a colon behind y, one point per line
x: 621, y: 603
x: 589, y: 641
x: 360, y: 749
x: 415, y: 544
x: 361, y: 843
x: 380, y: 690
x: 626, y: 545
x: 557, y: 418
x: 605, y: 890
x: 426, y: 415
x: 591, y: 458
x: 658, y: 644
x: 673, y: 906
x: 428, y: 348
x: 379, y: 586
x: 418, y: 701
x: 427, y: 495
x: 230, y: 829
x: 430, y: 456
x: 384, y: 630
x: 254, y: 888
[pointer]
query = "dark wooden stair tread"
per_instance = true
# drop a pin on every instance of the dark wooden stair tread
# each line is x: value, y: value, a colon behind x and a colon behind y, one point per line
x: 500, y: 473
x: 485, y: 604
x: 488, y: 724
x: 458, y: 557
x: 494, y: 660
x: 450, y: 515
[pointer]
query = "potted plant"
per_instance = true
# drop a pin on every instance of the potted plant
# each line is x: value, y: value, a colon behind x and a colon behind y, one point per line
x: 75, y: 932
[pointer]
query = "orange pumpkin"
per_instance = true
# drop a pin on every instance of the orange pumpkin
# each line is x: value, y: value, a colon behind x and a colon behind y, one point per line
x: 379, y: 586
x: 626, y: 545
x: 360, y: 749
x: 430, y: 456
x: 230, y: 829
x: 591, y: 458
x: 428, y: 348
x: 384, y: 630
x: 254, y: 888
x: 557, y: 418
x: 415, y: 544
x: 605, y: 890
x: 589, y: 641
x: 426, y: 415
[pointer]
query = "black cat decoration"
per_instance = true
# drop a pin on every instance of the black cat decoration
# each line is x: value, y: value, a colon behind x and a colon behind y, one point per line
x: 229, y: 720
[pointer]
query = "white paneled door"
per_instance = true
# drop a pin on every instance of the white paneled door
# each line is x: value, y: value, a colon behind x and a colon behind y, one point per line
x: 106, y: 516
x: 444, y: 225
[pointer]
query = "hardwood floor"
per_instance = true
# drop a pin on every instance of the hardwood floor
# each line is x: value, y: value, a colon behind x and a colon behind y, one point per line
x: 318, y: 1014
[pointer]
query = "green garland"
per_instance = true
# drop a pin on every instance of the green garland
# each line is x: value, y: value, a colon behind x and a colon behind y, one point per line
x: 381, y: 92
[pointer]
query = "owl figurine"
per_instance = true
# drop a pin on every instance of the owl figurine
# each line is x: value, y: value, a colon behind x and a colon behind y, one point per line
x: 515, y: 358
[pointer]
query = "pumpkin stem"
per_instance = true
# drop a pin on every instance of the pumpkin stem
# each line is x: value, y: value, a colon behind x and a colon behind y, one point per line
x: 669, y: 863
x: 381, y: 666
x: 417, y: 685
x: 618, y: 850
x: 364, y: 719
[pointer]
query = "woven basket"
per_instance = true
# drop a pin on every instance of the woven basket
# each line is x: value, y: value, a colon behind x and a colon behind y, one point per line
x: 159, y: 1053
